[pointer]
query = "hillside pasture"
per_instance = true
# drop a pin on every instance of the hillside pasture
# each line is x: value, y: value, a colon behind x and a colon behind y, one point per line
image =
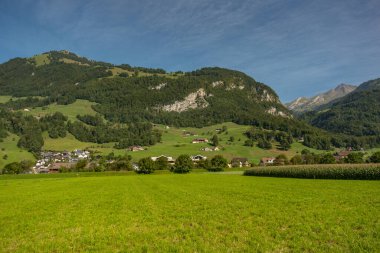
x: 79, y: 107
x: 175, y: 143
x: 4, y: 99
x: 187, y: 213
x: 12, y: 153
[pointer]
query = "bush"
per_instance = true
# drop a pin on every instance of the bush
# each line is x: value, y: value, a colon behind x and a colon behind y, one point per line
x: 336, y: 171
x: 375, y: 158
x: 18, y: 167
x: 355, y: 158
x: 162, y: 163
x: 218, y: 163
x: 146, y: 166
x: 281, y: 160
x: 183, y: 164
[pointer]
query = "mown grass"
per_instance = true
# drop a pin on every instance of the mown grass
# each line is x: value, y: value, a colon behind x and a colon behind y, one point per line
x: 320, y: 171
x: 188, y: 213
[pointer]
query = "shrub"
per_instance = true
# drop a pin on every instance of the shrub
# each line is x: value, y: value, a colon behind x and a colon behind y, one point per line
x: 355, y: 158
x: 335, y: 171
x: 146, y: 166
x: 297, y: 159
x: 162, y: 163
x: 375, y: 158
x: 218, y: 163
x: 281, y: 160
x: 183, y: 164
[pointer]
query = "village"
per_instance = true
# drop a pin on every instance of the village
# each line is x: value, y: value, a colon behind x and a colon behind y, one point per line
x: 54, y: 161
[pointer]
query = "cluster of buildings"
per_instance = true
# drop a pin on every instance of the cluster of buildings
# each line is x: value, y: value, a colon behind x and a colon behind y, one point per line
x: 51, y: 161
x: 235, y: 162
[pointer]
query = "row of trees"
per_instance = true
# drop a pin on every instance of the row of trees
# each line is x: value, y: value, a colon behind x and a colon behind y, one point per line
x: 307, y: 157
x: 182, y: 165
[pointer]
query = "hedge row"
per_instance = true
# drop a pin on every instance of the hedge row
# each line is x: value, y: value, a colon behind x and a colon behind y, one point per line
x: 320, y: 171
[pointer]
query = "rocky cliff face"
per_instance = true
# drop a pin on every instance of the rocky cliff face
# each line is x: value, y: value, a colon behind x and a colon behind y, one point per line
x: 303, y: 104
x: 192, y: 101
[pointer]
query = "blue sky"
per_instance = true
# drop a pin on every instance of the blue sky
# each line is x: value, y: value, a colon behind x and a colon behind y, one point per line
x: 297, y: 47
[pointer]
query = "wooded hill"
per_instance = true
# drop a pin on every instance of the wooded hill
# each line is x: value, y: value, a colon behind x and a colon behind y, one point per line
x: 129, y: 99
x: 357, y: 113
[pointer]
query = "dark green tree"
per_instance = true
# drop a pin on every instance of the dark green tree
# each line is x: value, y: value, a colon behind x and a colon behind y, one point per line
x: 281, y: 160
x: 146, y: 166
x: 215, y: 140
x: 183, y: 164
x: 327, y: 158
x: 375, y: 157
x: 297, y: 159
x: 264, y: 144
x: 162, y: 163
x: 218, y: 163
x: 355, y: 157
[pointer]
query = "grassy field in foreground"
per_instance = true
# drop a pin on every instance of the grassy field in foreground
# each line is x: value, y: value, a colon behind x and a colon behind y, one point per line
x: 188, y: 213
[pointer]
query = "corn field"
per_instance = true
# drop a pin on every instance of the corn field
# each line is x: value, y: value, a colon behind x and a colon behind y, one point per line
x: 319, y: 171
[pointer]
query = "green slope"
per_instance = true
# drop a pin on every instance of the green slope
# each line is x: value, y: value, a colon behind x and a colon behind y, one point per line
x: 9, y: 148
x: 357, y: 113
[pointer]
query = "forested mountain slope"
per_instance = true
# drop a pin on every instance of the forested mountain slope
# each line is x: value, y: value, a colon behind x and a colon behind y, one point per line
x: 357, y: 113
x: 128, y: 100
x: 130, y: 94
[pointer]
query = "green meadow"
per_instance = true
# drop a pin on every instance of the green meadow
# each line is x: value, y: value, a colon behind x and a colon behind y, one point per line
x: 9, y: 152
x: 174, y: 142
x: 79, y: 107
x: 200, y: 212
x: 4, y: 99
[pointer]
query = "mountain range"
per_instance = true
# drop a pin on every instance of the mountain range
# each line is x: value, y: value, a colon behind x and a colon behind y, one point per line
x: 303, y: 104
x: 357, y: 113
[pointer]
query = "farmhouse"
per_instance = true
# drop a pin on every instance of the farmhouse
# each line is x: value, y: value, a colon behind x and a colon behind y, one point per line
x: 200, y: 140
x: 267, y: 161
x: 210, y: 149
x: 169, y: 158
x: 239, y: 162
x: 135, y: 148
x: 341, y: 155
x: 54, y: 167
x: 198, y: 158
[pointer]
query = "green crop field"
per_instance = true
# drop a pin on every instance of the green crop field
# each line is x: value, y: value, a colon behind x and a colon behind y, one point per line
x: 187, y: 213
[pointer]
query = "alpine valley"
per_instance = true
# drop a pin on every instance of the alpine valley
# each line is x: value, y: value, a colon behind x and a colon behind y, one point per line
x: 61, y: 101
